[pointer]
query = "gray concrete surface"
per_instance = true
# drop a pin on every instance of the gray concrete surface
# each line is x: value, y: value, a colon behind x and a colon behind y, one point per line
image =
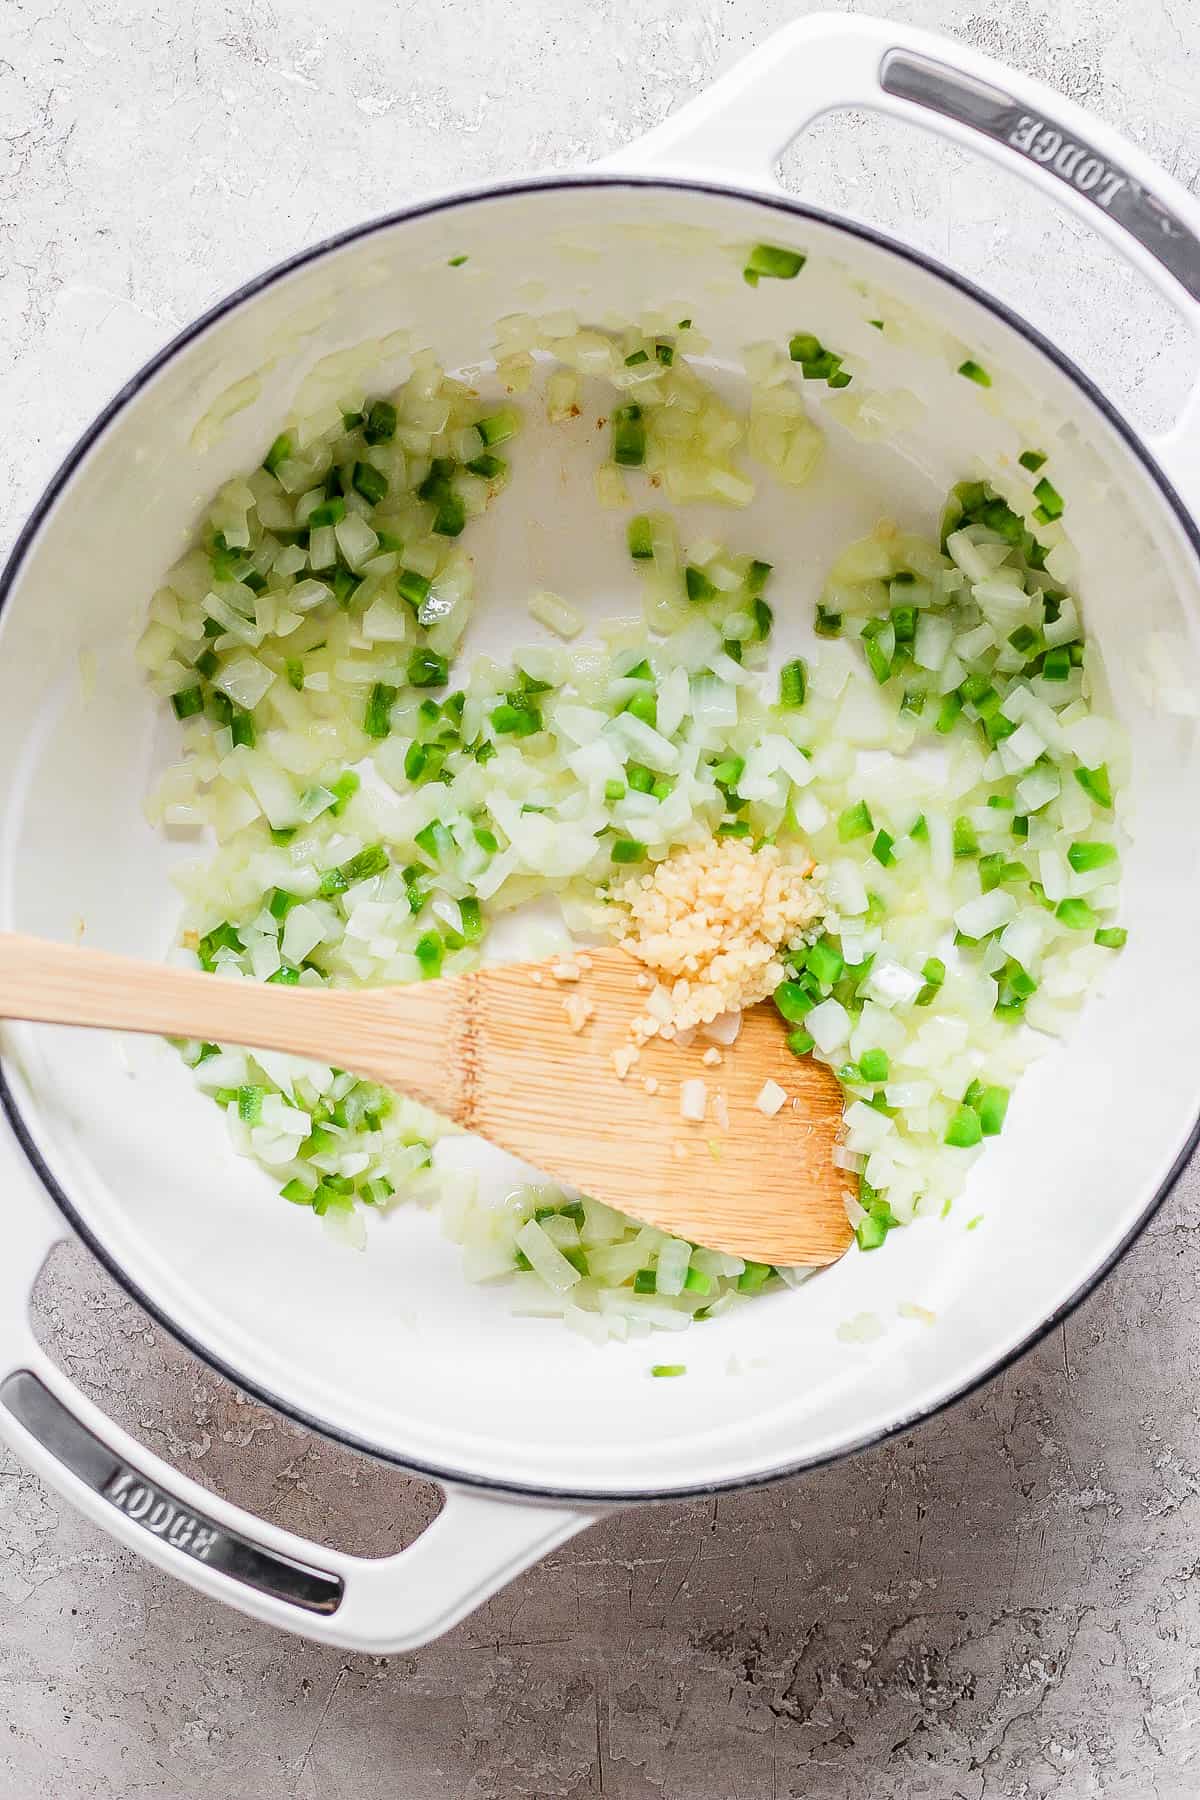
x: 1004, y: 1603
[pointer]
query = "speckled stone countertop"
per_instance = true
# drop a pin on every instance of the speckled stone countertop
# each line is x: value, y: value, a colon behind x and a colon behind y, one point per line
x: 1004, y: 1603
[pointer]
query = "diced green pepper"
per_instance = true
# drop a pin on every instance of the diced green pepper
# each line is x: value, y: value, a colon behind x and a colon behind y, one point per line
x: 773, y: 262
x: 992, y: 1106
x: 1076, y: 914
x: 497, y: 428
x: 413, y: 587
x: 854, y: 822
x: 697, y: 585
x: 381, y: 422
x: 793, y: 683
x: 377, y: 719
x: 429, y: 951
x: 515, y: 721
x: 280, y: 451
x: 187, y: 702
x: 1096, y: 784
x: 427, y: 669
x: 965, y: 1129
x: 629, y: 436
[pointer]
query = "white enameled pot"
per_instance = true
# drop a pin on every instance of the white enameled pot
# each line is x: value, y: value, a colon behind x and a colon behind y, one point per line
x: 530, y: 1431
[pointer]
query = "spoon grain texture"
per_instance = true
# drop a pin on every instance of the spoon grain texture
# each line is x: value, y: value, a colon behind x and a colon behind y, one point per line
x: 496, y: 1052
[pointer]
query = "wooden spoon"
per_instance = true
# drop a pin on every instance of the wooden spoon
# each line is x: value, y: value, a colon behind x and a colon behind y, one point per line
x: 495, y: 1052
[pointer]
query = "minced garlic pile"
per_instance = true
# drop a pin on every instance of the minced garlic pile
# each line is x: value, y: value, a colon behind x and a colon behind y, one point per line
x: 711, y: 924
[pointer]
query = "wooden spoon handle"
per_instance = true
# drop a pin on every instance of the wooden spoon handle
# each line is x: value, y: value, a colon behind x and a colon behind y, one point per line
x: 369, y: 1033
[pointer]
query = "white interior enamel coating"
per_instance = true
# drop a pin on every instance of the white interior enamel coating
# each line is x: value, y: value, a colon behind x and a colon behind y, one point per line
x: 392, y: 1348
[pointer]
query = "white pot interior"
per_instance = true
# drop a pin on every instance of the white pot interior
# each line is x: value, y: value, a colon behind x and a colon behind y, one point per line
x: 392, y: 1347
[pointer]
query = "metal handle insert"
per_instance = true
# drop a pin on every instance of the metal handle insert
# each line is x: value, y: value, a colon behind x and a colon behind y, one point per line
x: 45, y: 1417
x: 1065, y: 154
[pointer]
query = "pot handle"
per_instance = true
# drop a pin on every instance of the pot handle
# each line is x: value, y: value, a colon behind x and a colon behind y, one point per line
x: 736, y: 130
x: 381, y: 1605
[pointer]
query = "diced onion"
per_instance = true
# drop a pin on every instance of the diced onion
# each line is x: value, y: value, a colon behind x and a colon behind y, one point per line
x: 723, y: 1029
x: 382, y: 807
x: 556, y: 614
x: 693, y: 1100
